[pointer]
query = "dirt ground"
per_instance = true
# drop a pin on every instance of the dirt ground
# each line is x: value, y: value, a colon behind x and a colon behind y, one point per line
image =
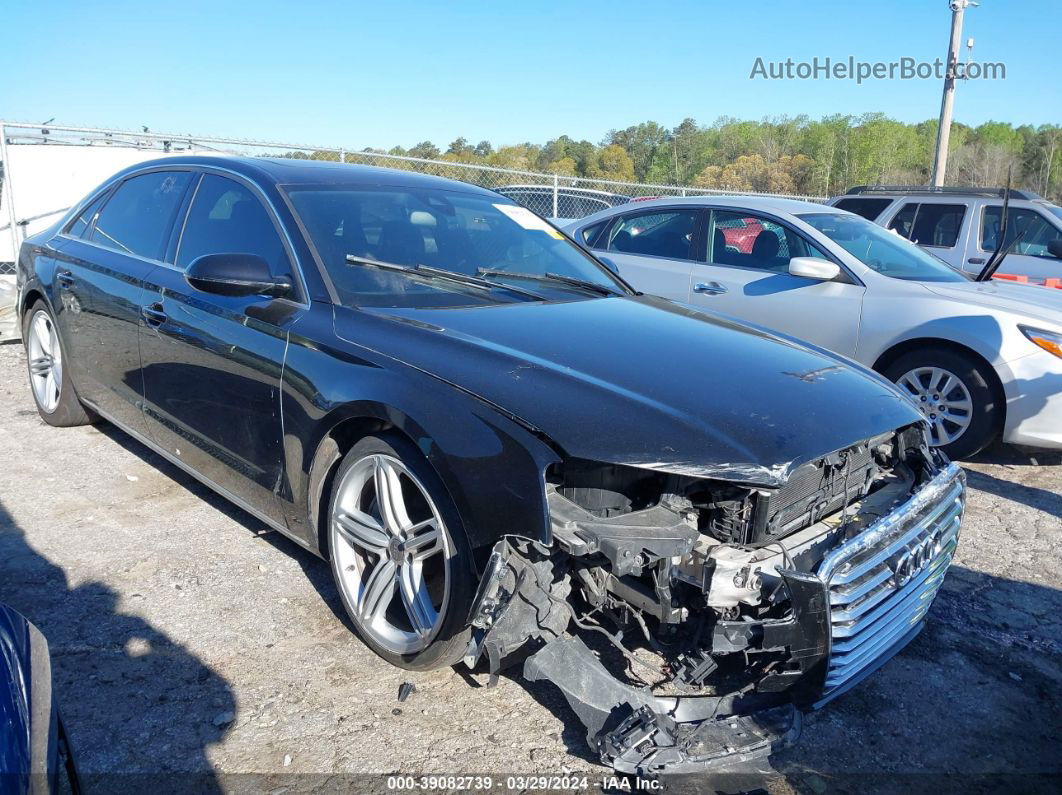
x: 194, y: 648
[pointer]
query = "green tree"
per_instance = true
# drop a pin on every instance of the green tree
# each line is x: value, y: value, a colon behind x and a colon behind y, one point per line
x: 612, y: 163
x: 426, y: 150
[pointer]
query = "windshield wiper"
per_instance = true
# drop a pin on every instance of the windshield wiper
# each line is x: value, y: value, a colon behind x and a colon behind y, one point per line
x: 1001, y: 250
x: 440, y: 274
x: 601, y: 289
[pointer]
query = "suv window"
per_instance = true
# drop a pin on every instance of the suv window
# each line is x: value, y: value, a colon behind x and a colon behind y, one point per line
x: 77, y: 227
x: 657, y: 234
x: 868, y: 208
x: 227, y: 218
x: 137, y: 217
x: 748, y: 241
x: 1037, y: 231
x: 930, y: 224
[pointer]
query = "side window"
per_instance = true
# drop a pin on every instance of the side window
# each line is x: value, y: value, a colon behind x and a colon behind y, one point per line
x: 587, y: 235
x: 903, y: 221
x: 137, y: 217
x: 227, y: 218
x: 79, y: 225
x: 1036, y: 232
x: 866, y: 207
x: 929, y: 223
x: 661, y: 234
x: 747, y: 241
x: 938, y: 224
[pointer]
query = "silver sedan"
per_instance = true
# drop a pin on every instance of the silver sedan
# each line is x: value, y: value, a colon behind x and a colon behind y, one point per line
x: 980, y: 359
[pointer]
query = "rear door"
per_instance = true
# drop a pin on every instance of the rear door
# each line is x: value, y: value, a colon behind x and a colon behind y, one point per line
x: 212, y: 364
x: 746, y: 274
x: 936, y: 226
x: 113, y: 246
x: 655, y: 249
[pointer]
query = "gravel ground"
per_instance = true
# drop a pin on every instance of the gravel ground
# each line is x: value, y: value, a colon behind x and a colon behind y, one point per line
x: 190, y: 640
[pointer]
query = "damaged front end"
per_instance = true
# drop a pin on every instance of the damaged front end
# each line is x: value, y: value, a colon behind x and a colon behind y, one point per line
x: 688, y: 620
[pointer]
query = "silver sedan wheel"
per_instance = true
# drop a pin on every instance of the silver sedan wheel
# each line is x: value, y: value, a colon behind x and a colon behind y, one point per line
x: 45, y: 361
x: 392, y: 553
x: 943, y: 399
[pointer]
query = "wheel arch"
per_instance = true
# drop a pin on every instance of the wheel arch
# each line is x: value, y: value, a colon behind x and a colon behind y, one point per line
x: 890, y: 355
x: 495, y: 481
x: 32, y: 295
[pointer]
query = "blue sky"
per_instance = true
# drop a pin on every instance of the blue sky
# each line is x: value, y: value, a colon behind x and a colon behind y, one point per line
x: 378, y: 74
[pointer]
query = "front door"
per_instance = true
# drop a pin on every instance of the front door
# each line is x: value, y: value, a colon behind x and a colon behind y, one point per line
x: 747, y: 275
x: 212, y: 363
x: 1029, y: 255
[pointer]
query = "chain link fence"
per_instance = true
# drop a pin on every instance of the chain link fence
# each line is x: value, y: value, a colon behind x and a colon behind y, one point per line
x: 49, y: 168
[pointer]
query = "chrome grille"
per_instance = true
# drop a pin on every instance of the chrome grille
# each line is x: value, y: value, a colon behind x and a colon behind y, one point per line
x: 882, y: 582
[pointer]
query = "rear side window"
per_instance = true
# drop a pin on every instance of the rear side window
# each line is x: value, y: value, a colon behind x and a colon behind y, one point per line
x: 868, y: 208
x: 84, y: 219
x: 661, y: 234
x: 227, y: 218
x: 587, y: 235
x: 137, y: 218
x: 930, y: 224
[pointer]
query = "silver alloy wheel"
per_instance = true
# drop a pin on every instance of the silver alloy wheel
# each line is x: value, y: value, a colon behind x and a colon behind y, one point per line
x: 392, y: 553
x: 943, y: 399
x: 45, y: 361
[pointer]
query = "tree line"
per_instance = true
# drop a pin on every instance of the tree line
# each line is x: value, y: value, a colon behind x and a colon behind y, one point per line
x: 796, y: 155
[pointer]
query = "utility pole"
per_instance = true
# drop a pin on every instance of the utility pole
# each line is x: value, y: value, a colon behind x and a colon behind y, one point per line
x: 940, y: 158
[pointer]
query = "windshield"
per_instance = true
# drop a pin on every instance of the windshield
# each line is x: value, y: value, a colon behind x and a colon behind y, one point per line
x: 881, y: 250
x: 1055, y: 210
x: 463, y: 233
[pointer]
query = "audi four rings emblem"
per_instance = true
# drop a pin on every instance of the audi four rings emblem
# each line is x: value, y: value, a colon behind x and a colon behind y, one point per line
x: 915, y: 557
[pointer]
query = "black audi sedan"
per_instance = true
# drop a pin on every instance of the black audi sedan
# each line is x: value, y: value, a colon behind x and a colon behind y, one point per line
x: 500, y: 447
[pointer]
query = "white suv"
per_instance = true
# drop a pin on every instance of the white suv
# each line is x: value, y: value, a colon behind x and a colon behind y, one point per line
x: 961, y: 225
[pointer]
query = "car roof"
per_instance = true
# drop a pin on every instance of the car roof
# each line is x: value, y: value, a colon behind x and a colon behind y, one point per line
x: 569, y: 189
x: 291, y: 171
x: 968, y: 191
x: 768, y: 204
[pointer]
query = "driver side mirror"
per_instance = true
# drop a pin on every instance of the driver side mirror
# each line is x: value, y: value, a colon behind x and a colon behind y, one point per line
x: 814, y: 268
x: 235, y: 275
x: 608, y: 263
x: 1054, y: 247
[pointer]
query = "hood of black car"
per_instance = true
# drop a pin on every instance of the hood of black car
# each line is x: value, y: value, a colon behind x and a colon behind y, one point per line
x: 644, y: 382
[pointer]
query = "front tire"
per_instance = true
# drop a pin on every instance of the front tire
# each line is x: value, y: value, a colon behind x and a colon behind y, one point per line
x: 50, y: 383
x: 955, y: 394
x: 399, y: 555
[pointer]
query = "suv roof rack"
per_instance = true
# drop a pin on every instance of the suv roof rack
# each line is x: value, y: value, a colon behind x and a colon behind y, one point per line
x: 947, y: 191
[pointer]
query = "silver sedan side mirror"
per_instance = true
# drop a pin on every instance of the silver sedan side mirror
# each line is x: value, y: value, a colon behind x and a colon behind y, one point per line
x: 814, y: 268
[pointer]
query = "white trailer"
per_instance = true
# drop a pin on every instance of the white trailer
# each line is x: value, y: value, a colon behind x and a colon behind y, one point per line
x: 42, y: 179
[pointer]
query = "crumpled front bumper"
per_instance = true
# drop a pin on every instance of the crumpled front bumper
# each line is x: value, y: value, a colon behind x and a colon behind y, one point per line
x: 865, y: 601
x: 645, y: 735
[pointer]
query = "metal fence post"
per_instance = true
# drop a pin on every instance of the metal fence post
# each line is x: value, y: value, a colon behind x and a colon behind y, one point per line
x: 9, y: 193
x: 556, y: 182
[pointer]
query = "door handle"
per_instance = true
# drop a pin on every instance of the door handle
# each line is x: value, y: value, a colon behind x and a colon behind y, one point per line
x: 709, y: 288
x: 65, y: 279
x: 976, y: 260
x: 153, y: 315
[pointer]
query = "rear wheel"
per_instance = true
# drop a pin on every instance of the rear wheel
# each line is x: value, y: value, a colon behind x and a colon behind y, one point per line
x: 955, y: 395
x: 53, y: 392
x: 399, y: 555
